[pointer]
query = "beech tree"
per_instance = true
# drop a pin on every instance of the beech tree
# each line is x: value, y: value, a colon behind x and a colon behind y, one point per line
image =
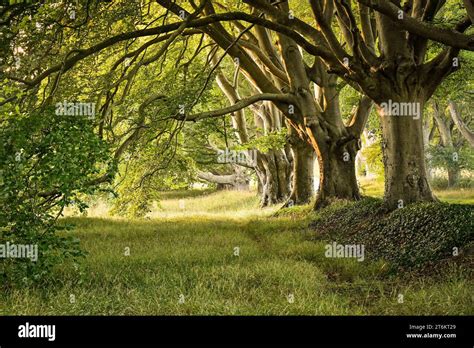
x: 273, y: 166
x: 398, y: 70
x: 395, y: 71
x: 449, y: 138
x: 377, y: 47
x: 278, y: 79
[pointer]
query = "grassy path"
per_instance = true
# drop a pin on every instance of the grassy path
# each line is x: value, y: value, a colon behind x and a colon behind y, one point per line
x: 197, y: 263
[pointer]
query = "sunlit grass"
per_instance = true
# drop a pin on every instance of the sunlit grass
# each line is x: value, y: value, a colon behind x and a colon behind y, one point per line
x: 231, y: 204
x: 461, y: 195
x: 225, y: 204
x: 192, y: 256
x: 375, y: 188
x: 371, y: 187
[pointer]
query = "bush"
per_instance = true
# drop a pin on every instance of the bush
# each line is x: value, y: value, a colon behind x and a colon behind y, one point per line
x: 46, y: 161
x: 415, y: 235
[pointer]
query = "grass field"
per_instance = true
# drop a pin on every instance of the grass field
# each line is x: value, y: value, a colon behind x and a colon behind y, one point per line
x: 374, y: 188
x: 222, y: 255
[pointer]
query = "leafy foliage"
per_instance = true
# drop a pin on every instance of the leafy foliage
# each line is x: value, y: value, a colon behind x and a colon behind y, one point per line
x: 451, y: 158
x: 265, y: 143
x: 415, y: 235
x: 373, y: 156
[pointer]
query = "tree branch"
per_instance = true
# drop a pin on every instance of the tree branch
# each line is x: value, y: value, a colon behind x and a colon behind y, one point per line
x: 360, y: 116
x: 466, y: 132
x: 282, y: 98
x: 420, y: 28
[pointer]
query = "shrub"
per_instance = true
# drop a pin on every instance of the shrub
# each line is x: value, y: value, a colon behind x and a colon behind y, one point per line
x: 415, y: 235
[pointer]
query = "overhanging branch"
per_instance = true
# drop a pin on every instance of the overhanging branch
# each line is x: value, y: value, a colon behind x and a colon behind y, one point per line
x: 420, y: 28
x: 283, y: 98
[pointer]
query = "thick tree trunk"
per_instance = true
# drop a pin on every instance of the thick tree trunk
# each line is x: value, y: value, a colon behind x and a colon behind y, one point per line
x: 283, y: 170
x: 302, y: 191
x: 406, y: 180
x: 447, y: 142
x: 273, y: 173
x: 428, y: 133
x: 337, y: 173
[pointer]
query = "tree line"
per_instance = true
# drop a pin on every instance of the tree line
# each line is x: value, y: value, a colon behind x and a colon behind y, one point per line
x: 158, y: 71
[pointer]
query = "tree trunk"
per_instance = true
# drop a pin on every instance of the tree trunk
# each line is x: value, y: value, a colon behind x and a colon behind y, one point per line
x: 302, y: 191
x: 273, y: 173
x: 337, y: 173
x: 453, y: 176
x: 406, y: 180
x: 428, y: 133
x: 447, y: 142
